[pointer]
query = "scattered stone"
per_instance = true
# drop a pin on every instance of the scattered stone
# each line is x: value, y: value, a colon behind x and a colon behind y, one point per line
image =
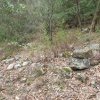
x: 17, y: 66
x: 11, y: 66
x: 17, y: 98
x: 17, y: 58
x: 94, y: 46
x: 79, y: 64
x: 33, y: 65
x: 13, y: 43
x: 82, y: 53
x: 23, y: 80
x: 25, y: 63
x: 82, y: 78
x: 7, y: 61
x: 29, y: 44
x: 95, y: 49
x: 95, y: 60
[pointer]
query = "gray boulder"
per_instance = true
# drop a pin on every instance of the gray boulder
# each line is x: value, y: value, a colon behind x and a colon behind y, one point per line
x: 86, y: 57
x: 95, y: 60
x: 82, y: 53
x: 95, y: 48
x: 80, y: 64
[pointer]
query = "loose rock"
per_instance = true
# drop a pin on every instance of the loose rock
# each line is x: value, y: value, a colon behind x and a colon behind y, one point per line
x: 95, y: 49
x: 17, y: 66
x: 95, y: 60
x: 11, y: 66
x: 33, y: 65
x: 25, y: 63
x: 17, y: 98
x: 7, y: 61
x: 23, y: 80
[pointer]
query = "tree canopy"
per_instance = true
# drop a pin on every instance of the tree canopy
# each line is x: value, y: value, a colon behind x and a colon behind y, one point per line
x: 19, y: 17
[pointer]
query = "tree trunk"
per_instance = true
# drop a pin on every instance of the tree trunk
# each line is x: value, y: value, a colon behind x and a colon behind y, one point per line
x: 94, y: 21
x: 78, y: 14
x: 50, y: 19
x: 94, y: 1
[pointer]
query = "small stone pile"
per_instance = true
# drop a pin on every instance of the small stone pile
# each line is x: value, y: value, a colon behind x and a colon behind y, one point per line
x: 83, y: 58
x: 15, y: 63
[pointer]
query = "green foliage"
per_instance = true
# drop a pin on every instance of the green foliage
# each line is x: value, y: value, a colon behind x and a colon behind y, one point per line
x: 12, y: 19
x: 18, y: 18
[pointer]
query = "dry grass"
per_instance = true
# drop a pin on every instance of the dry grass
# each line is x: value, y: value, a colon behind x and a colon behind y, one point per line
x: 63, y: 42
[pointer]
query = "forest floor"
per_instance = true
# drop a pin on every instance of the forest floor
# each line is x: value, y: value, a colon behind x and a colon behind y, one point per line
x: 33, y: 76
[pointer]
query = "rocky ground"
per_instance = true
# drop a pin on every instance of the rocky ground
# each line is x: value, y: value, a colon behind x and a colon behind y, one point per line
x: 26, y: 78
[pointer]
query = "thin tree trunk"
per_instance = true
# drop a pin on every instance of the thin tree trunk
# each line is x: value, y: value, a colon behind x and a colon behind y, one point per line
x: 50, y: 28
x: 94, y: 2
x: 78, y: 14
x: 50, y: 19
x: 94, y: 21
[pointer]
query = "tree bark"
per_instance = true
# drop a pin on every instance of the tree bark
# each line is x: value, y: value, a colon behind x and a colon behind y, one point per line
x: 94, y: 21
x: 78, y: 13
x: 50, y: 19
x: 94, y: 1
